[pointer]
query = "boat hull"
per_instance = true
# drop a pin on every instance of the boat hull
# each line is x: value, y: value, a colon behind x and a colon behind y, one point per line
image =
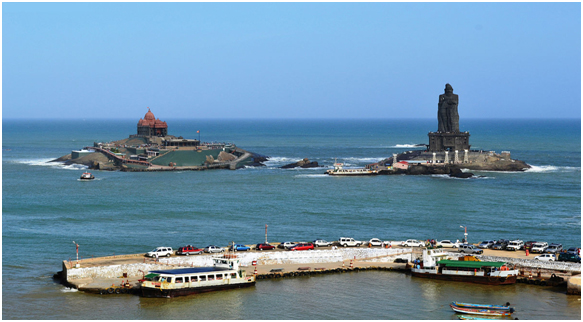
x: 480, y: 311
x: 488, y: 280
x: 170, y: 293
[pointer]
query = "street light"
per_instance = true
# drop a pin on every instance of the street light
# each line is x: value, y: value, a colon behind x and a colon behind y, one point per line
x: 266, y: 234
x: 465, y: 233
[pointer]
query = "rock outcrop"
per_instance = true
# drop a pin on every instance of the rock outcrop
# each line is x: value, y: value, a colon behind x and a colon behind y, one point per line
x: 305, y: 163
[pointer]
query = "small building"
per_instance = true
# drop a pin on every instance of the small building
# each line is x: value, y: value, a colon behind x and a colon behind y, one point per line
x: 403, y: 165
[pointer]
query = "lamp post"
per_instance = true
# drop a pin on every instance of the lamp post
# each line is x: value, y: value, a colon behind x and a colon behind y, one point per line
x: 77, y: 251
x: 266, y: 234
x: 465, y: 233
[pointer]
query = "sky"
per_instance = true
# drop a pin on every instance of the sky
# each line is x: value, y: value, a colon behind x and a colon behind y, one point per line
x: 289, y: 60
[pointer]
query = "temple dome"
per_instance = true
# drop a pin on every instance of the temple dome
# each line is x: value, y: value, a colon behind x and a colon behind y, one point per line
x: 149, y: 116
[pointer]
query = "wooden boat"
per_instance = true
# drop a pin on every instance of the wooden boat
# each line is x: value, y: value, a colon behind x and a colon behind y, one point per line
x: 483, y: 306
x: 471, y: 317
x: 435, y: 266
x: 224, y: 274
x: 480, y: 311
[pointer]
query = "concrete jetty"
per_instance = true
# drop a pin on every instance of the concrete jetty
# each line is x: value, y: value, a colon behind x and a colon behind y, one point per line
x: 98, y: 275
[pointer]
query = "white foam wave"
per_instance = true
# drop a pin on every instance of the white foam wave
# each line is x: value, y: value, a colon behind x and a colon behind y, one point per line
x: 69, y: 290
x: 406, y: 146
x: 311, y: 175
x: 551, y: 168
x: 47, y: 163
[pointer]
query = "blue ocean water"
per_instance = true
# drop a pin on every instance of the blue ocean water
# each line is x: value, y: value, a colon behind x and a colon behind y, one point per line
x: 45, y: 208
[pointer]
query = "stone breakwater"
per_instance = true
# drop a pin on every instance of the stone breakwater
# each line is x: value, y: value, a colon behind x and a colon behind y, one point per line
x: 268, y: 258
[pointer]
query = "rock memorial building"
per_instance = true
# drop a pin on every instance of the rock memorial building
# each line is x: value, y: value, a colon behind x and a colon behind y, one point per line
x: 448, y: 136
x: 150, y: 126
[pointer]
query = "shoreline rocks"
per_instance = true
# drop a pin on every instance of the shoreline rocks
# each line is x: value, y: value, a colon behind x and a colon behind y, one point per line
x: 304, y: 163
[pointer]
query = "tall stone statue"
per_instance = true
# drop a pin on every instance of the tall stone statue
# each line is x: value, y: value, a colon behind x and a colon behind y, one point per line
x: 448, y: 119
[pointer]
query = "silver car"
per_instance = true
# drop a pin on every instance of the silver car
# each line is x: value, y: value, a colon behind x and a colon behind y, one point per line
x: 213, y: 249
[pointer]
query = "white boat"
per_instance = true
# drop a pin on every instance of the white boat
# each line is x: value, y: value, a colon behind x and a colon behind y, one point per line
x: 224, y: 274
x: 87, y: 176
x: 436, y: 266
x: 340, y: 171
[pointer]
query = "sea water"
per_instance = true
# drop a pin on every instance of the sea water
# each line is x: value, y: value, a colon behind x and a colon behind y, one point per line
x: 45, y: 208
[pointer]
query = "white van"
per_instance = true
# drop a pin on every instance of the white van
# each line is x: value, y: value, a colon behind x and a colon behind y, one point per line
x: 346, y: 241
x: 160, y: 251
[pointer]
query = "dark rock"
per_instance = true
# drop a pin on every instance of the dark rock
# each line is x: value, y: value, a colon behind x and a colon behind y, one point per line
x: 305, y: 163
x: 458, y: 173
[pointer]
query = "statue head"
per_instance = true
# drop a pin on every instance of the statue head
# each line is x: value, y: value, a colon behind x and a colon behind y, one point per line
x: 448, y: 88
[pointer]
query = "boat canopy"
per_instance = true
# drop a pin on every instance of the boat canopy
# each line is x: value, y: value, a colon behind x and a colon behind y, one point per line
x: 151, y: 275
x: 469, y: 264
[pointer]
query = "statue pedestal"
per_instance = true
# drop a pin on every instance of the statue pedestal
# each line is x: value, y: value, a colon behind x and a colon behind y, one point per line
x: 441, y: 141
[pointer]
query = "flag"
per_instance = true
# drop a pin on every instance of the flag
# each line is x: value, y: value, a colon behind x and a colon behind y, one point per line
x: 197, y: 131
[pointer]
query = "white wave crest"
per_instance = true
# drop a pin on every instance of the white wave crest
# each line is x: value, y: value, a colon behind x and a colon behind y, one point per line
x: 551, y: 168
x: 311, y: 175
x: 406, y: 146
x: 69, y: 290
x: 47, y: 163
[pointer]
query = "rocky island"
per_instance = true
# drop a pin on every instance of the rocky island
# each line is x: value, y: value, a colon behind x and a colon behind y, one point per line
x: 152, y: 149
x: 448, y: 151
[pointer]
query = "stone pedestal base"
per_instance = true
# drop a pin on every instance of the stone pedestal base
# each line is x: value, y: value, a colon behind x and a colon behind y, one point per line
x: 439, y: 141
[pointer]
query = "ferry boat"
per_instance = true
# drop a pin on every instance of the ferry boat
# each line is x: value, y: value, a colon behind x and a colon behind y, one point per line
x: 87, y: 176
x: 435, y: 266
x: 340, y: 171
x: 224, y: 274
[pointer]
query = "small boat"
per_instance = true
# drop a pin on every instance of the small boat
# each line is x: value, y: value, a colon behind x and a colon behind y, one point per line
x: 480, y: 311
x: 340, y: 171
x: 87, y: 176
x: 484, y: 306
x: 470, y: 317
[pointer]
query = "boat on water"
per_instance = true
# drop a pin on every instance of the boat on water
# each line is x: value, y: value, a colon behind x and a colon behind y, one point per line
x: 87, y: 176
x: 224, y: 274
x: 436, y: 266
x: 480, y: 311
x: 484, y: 306
x: 482, y: 317
x: 340, y: 171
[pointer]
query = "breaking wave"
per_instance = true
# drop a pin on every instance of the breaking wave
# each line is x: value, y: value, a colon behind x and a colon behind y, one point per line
x: 551, y: 168
x: 321, y: 175
x: 69, y: 290
x: 47, y: 163
x: 407, y: 146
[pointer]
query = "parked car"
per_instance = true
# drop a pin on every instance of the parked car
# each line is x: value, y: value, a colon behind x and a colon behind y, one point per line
x: 213, y: 249
x: 574, y: 251
x: 486, y: 244
x: 448, y: 244
x: 546, y: 257
x: 528, y: 244
x: 539, y: 247
x: 413, y: 243
x: 375, y: 242
x: 286, y: 245
x: 515, y: 245
x: 160, y: 251
x: 239, y: 248
x: 501, y: 244
x: 568, y: 257
x: 554, y: 248
x: 469, y: 249
x: 307, y: 246
x: 347, y: 241
x: 189, y: 250
x: 264, y: 246
x: 321, y: 243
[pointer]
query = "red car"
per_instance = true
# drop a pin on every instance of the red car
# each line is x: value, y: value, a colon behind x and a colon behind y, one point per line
x: 302, y: 247
x: 189, y: 250
x: 264, y: 246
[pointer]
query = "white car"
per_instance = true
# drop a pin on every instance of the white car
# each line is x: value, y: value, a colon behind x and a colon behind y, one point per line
x: 376, y: 242
x: 448, y: 244
x: 515, y: 245
x: 160, y: 251
x: 413, y: 243
x: 347, y: 241
x: 213, y: 249
x: 321, y: 243
x: 539, y: 247
x: 546, y: 257
x: 286, y: 245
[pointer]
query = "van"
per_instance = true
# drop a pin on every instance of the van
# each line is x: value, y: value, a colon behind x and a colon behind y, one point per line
x: 346, y: 241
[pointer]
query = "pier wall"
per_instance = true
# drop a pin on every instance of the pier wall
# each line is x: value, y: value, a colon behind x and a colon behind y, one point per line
x: 246, y: 258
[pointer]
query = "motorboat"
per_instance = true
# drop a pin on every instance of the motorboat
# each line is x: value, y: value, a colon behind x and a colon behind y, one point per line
x: 87, y: 176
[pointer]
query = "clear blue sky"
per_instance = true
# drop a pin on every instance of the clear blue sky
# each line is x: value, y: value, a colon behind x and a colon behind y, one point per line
x: 290, y: 60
